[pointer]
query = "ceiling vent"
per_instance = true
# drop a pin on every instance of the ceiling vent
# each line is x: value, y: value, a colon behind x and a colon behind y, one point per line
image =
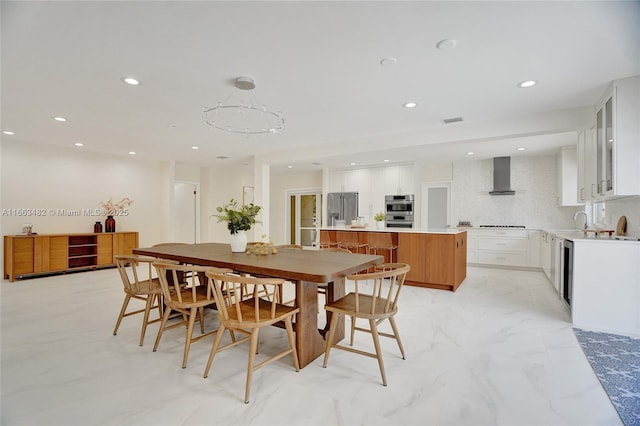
x: 502, y: 176
x: 451, y: 120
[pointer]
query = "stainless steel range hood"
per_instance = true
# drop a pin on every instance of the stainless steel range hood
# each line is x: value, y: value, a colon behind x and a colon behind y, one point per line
x: 502, y: 176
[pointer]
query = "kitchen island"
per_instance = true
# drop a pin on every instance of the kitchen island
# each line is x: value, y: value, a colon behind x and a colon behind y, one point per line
x: 438, y: 257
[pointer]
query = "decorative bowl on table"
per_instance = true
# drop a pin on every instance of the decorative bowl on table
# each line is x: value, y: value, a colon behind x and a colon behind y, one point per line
x: 261, y: 248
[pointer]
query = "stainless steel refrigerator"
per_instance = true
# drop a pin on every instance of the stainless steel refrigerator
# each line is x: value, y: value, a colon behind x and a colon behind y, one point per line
x: 342, y: 206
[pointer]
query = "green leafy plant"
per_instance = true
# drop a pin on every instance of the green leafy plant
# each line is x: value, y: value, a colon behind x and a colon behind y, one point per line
x: 378, y: 217
x: 238, y: 218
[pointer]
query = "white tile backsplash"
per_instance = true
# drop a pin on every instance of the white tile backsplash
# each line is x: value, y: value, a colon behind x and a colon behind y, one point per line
x: 629, y: 207
x: 535, y: 203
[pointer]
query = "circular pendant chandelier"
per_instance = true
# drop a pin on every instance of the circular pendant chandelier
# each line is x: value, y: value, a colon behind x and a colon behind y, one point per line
x: 242, y: 113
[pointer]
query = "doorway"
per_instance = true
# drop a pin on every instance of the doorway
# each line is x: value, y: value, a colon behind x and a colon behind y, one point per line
x: 186, y: 208
x: 436, y: 205
x: 304, y: 217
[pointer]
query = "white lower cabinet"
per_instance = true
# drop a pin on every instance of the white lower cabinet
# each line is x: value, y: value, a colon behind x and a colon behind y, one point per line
x: 606, y: 287
x: 533, y: 248
x: 545, y: 254
x: 502, y: 247
x: 472, y: 246
x: 557, y: 263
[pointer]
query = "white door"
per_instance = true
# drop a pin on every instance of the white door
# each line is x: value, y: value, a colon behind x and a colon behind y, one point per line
x: 436, y: 205
x: 186, y: 202
x: 304, y: 214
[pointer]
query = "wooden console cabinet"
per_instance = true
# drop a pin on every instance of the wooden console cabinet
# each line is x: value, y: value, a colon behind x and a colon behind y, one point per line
x: 30, y: 255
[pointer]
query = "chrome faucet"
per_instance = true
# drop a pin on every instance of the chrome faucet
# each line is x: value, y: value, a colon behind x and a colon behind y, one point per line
x: 586, y: 219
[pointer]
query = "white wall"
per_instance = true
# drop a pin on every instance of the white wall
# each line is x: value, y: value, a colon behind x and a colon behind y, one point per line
x: 280, y: 184
x: 219, y: 184
x: 534, y: 205
x: 53, y: 178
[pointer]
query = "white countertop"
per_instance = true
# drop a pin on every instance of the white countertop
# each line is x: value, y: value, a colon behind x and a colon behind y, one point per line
x: 579, y: 235
x: 575, y: 235
x: 450, y: 231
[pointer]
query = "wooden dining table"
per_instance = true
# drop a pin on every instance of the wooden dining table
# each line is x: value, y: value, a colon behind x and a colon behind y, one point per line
x: 305, y: 268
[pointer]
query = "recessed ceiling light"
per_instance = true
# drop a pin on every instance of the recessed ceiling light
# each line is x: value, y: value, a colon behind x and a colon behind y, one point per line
x: 448, y: 43
x: 61, y: 119
x: 520, y: 149
x: 131, y: 81
x: 289, y: 167
x: 352, y: 164
x: 410, y: 105
x: 195, y: 147
x: 8, y: 132
x: 388, y: 61
x: 78, y: 144
x: 527, y: 83
x: 386, y: 161
x: 470, y: 153
x: 132, y: 153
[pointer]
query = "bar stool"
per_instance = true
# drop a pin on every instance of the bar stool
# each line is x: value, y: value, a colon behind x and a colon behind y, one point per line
x: 349, y: 240
x: 382, y: 241
x: 328, y: 239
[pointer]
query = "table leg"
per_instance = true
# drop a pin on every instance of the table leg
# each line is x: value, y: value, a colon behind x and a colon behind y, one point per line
x: 310, y: 343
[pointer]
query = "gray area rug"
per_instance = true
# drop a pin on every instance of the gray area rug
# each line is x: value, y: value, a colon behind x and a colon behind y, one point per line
x: 616, y: 361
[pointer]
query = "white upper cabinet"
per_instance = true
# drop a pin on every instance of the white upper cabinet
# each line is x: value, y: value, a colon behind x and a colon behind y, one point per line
x: 567, y: 177
x: 586, y: 156
x: 372, y: 184
x: 406, y: 181
x: 335, y: 181
x: 617, y: 140
x: 354, y: 179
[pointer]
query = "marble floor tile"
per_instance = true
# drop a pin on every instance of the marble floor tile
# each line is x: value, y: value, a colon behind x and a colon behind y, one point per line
x: 499, y: 351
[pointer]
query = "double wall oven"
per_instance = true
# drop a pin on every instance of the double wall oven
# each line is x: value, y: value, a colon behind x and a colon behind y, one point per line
x: 399, y: 210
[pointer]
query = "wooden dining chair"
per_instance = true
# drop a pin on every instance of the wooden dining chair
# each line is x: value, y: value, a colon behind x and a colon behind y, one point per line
x: 139, y: 282
x: 187, y: 298
x: 376, y: 305
x: 248, y: 316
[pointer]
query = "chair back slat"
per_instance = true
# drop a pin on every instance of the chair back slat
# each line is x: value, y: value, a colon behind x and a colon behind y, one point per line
x: 228, y: 291
x: 184, y: 282
x: 128, y: 268
x: 387, y: 282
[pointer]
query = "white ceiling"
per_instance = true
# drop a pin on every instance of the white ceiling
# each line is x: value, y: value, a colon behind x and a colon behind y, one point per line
x: 317, y: 62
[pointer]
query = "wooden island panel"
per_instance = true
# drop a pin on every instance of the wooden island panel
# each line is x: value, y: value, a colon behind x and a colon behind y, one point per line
x: 437, y: 259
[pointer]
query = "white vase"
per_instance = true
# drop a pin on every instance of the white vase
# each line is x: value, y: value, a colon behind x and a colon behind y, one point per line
x: 380, y: 224
x: 239, y: 242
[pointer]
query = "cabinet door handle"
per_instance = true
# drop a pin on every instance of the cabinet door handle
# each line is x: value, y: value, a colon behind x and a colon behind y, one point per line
x: 581, y: 194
